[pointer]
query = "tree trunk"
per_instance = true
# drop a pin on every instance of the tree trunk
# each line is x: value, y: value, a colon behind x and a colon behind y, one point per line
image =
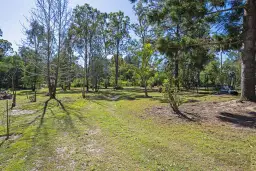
x: 85, y: 77
x: 33, y: 88
x: 7, y: 121
x: 87, y: 80
x: 69, y: 86
x: 35, y: 70
x: 198, y: 80
x: 106, y: 83
x: 49, y: 54
x: 176, y: 73
x: 35, y: 96
x: 145, y: 88
x: 105, y: 67
x: 70, y: 71
x: 58, y: 60
x: 13, y: 93
x: 91, y: 63
x: 248, y: 56
x: 116, y: 65
x: 96, y: 84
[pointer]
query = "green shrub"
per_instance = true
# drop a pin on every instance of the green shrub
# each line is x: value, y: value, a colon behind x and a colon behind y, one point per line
x: 172, y: 96
x: 77, y: 83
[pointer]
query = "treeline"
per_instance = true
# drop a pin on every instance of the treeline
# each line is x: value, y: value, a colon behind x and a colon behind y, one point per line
x: 187, y: 44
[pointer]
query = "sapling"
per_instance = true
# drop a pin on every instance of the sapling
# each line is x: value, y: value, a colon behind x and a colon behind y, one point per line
x: 172, y: 96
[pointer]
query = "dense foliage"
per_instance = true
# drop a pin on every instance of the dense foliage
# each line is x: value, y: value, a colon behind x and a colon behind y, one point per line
x: 194, y: 43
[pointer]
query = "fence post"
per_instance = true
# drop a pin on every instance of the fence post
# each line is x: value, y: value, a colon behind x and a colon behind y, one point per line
x: 7, y: 120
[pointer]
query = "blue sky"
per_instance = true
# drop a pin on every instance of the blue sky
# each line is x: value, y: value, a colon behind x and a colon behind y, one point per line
x: 13, y: 14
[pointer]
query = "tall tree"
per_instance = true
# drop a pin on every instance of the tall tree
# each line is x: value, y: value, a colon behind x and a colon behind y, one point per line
x: 119, y: 30
x: 248, y: 55
x: 83, y: 29
x: 44, y: 14
x: 35, y: 40
x: 52, y: 15
x: 234, y: 19
x: 95, y: 45
x: 103, y: 26
x: 146, y: 65
x: 142, y: 29
x: 62, y: 20
x: 68, y: 62
x: 5, y: 46
x: 14, y: 65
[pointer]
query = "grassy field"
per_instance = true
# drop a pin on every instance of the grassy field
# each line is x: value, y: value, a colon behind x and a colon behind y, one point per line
x: 111, y: 130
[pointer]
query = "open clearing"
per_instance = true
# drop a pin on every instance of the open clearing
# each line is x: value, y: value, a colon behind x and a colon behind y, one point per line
x: 122, y: 130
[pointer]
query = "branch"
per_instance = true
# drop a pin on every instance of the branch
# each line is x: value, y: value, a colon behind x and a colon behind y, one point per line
x: 225, y: 10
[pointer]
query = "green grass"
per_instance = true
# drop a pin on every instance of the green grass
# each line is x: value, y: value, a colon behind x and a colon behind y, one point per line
x: 102, y: 134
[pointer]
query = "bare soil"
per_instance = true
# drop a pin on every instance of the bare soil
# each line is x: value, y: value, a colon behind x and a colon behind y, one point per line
x: 93, y: 147
x: 231, y: 113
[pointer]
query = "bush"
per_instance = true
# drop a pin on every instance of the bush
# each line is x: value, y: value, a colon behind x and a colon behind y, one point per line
x: 172, y: 96
x: 77, y: 83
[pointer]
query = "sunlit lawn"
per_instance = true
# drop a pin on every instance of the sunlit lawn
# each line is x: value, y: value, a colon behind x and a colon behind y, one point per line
x: 111, y: 130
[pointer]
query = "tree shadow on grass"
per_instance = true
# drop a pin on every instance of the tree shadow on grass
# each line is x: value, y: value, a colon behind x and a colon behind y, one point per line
x: 99, y: 103
x: 197, y: 95
x: 163, y: 100
x: 59, y: 122
x: 193, y: 116
x: 140, y: 90
x: 2, y: 142
x: 23, y: 126
x: 252, y: 113
x: 72, y: 111
x: 109, y: 96
x: 74, y: 91
x: 12, y: 137
x: 240, y: 120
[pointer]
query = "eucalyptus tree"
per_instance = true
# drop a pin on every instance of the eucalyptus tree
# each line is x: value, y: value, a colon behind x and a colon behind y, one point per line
x: 119, y: 26
x: 145, y: 58
x: 5, y: 49
x: 32, y: 73
x: 51, y: 15
x: 43, y: 13
x: 106, y: 39
x: 95, y: 44
x: 81, y: 25
x: 98, y: 62
x: 13, y: 65
x: 62, y: 17
x: 142, y: 29
x: 31, y: 54
x: 134, y: 45
x: 99, y: 67
x: 5, y: 46
x: 67, y: 62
